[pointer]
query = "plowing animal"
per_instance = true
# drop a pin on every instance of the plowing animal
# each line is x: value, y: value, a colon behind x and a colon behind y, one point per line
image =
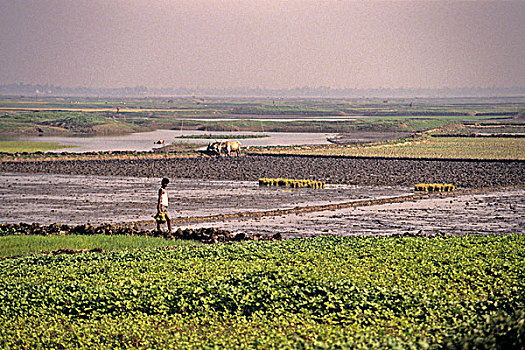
x: 225, y: 148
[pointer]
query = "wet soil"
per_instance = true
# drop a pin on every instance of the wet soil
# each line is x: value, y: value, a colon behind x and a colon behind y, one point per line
x: 77, y: 199
x: 145, y: 141
x: 494, y: 212
x: 335, y: 170
x: 125, y: 205
x: 213, y: 192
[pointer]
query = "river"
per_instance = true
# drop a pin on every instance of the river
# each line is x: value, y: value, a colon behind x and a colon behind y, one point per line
x: 144, y: 141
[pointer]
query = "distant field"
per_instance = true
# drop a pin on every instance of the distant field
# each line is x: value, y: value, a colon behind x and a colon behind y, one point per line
x: 98, y: 116
x: 87, y: 110
x: 433, y: 147
x: 27, y: 146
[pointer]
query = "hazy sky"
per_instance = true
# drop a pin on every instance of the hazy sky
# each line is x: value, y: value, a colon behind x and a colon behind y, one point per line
x: 263, y: 43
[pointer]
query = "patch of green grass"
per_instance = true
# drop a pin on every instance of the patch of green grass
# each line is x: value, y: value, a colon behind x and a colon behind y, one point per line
x: 179, y: 148
x: 25, y: 245
x: 55, y: 122
x: 29, y: 146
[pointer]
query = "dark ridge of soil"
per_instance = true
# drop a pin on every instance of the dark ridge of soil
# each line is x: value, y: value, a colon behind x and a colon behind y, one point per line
x: 355, y: 171
x: 203, y: 235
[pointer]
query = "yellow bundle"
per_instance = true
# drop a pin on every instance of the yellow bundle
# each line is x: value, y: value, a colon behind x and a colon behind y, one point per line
x: 160, y: 218
x: 435, y: 187
x: 291, y: 183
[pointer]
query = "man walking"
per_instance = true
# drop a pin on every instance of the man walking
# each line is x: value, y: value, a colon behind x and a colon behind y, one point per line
x: 162, y: 206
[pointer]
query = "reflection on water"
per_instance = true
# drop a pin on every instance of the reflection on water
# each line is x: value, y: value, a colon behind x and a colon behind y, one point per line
x: 144, y: 141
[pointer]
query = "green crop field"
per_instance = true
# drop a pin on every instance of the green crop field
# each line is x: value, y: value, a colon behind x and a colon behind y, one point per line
x: 326, y: 292
x: 432, y: 147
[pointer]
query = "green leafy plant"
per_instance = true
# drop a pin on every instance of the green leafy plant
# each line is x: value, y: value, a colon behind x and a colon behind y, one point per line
x: 325, y: 292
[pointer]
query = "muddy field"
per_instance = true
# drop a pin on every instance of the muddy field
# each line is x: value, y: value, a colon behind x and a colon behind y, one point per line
x: 77, y: 199
x: 204, y: 188
x: 334, y: 170
x: 495, y: 212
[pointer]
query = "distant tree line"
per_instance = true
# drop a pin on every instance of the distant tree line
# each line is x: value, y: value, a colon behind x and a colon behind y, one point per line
x: 32, y: 90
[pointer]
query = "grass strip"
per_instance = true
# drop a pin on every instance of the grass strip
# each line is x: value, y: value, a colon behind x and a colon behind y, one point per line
x: 29, y: 146
x: 25, y: 245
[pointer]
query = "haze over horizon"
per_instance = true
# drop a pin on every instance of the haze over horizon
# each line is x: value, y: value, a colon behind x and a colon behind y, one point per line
x: 271, y: 44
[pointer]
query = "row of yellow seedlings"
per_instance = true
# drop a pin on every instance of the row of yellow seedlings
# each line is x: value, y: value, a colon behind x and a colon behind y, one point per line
x: 435, y: 187
x: 292, y: 183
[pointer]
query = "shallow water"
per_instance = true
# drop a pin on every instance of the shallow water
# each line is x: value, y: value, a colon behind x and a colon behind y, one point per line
x: 74, y: 199
x: 499, y: 212
x: 144, y: 141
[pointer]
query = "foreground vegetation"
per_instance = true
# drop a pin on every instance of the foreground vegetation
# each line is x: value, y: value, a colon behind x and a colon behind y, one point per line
x: 426, y: 147
x: 329, y: 292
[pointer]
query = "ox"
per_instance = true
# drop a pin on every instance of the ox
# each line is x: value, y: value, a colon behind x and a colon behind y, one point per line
x: 225, y: 147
